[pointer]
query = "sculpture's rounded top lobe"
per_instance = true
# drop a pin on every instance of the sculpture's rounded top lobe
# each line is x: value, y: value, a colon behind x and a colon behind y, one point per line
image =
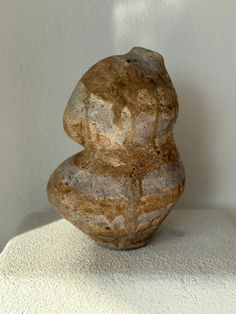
x: 120, y: 96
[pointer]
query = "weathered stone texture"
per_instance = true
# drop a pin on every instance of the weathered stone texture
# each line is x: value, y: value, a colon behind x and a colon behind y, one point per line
x: 123, y: 184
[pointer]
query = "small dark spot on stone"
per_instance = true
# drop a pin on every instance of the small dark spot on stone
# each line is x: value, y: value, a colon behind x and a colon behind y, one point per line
x: 128, y: 60
x: 66, y: 183
x: 107, y: 228
x: 158, y: 152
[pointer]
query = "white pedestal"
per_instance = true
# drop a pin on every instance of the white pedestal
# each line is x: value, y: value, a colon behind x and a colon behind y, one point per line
x: 189, y: 267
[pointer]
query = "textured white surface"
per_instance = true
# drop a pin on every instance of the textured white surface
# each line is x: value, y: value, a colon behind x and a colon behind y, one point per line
x: 189, y: 267
x: 47, y: 45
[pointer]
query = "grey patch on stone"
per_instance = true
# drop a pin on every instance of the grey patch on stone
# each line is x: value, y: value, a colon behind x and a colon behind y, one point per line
x: 73, y: 214
x: 93, y: 185
x: 126, y: 124
x: 92, y: 219
x: 148, y: 61
x: 146, y: 217
x: 165, y: 124
x: 163, y: 179
x: 101, y: 115
x: 162, y: 91
x: 144, y: 125
x: 101, y: 219
x: 76, y: 104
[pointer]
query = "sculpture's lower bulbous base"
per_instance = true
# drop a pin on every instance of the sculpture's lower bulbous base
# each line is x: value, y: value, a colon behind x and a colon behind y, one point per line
x: 127, y: 244
x: 124, y: 248
x: 118, y: 209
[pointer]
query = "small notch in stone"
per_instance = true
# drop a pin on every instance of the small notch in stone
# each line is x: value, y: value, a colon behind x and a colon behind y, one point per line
x: 151, y: 80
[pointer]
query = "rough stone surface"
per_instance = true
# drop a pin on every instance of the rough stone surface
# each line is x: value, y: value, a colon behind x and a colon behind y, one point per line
x: 124, y: 183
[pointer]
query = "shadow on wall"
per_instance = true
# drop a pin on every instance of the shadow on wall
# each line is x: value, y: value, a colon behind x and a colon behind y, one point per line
x: 35, y: 220
x: 191, y: 140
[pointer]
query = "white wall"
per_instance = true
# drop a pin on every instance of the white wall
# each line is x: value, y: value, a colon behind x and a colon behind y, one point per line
x: 46, y: 45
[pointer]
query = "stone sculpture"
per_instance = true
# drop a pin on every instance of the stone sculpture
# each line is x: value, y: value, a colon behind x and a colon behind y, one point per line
x: 124, y: 183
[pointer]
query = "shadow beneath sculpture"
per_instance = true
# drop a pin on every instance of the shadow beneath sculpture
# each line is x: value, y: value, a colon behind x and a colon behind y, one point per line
x: 35, y: 220
x: 190, y: 242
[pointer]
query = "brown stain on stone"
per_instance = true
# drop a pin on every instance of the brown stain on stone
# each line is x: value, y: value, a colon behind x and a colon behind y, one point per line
x: 137, y: 82
x: 120, y: 82
x: 129, y: 208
